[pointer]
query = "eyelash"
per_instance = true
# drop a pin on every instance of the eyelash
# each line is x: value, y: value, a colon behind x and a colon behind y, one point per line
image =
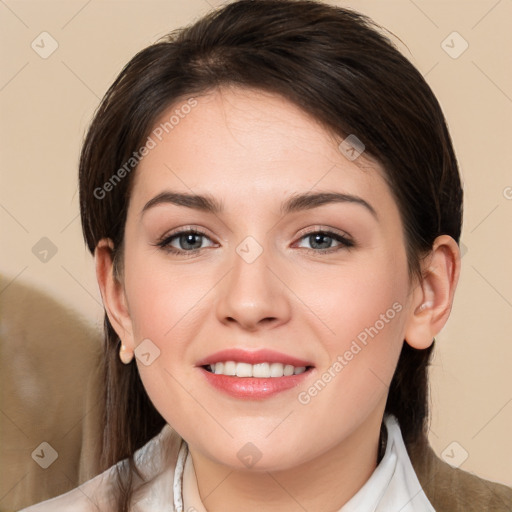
x: 164, y: 242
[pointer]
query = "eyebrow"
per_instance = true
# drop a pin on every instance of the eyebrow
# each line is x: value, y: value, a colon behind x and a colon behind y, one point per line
x: 295, y: 203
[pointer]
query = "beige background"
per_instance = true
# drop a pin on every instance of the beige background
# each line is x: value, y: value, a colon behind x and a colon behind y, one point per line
x: 46, y: 105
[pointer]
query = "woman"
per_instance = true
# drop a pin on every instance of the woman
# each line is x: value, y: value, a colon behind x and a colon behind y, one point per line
x: 274, y: 206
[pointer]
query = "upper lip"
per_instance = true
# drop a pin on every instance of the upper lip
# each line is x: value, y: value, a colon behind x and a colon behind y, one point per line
x: 252, y: 357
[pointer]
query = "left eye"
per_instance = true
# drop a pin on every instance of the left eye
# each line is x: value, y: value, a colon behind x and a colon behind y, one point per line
x: 321, y: 241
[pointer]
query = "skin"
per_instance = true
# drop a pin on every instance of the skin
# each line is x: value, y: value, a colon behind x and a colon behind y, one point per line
x: 252, y: 150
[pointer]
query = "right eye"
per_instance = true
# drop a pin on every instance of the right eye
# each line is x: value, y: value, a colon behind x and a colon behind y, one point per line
x: 185, y: 241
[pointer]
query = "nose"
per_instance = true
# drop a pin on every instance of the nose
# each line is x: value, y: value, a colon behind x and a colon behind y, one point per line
x: 254, y: 294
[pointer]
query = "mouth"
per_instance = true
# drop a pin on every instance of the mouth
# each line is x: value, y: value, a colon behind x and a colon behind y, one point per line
x: 254, y: 375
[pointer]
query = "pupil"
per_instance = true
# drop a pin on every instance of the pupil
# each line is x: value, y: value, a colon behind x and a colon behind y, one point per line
x: 318, y: 237
x: 186, y: 239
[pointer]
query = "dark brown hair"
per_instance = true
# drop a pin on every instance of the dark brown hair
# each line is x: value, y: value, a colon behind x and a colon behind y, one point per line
x: 336, y: 65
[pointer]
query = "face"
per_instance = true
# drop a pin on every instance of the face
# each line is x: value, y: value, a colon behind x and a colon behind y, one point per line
x: 316, y: 283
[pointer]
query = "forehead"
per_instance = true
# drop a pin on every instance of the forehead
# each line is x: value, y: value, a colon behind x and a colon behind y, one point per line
x: 249, y: 145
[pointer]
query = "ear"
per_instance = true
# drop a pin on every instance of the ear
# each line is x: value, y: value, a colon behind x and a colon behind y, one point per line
x: 432, y: 299
x: 113, y: 293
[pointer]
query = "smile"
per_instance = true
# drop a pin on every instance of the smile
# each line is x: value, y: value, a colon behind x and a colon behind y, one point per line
x: 253, y: 375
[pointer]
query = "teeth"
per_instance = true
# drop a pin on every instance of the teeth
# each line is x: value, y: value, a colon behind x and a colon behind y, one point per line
x: 229, y: 368
x: 260, y: 370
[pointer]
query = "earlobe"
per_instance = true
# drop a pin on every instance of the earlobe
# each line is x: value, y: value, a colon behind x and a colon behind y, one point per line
x: 113, y: 296
x: 125, y: 354
x: 433, y: 298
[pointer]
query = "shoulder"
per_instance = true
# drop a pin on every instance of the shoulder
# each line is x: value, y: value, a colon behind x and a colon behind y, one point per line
x: 156, y: 461
x: 450, y: 489
x: 87, y: 497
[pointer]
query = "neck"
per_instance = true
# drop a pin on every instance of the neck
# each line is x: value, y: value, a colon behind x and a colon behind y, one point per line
x: 326, y: 482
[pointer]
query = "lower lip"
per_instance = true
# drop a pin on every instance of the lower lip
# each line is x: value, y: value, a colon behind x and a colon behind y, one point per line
x: 252, y: 387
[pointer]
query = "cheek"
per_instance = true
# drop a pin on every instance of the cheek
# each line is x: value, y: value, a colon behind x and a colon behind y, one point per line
x: 162, y: 298
x: 361, y: 321
x: 350, y: 301
x: 167, y: 307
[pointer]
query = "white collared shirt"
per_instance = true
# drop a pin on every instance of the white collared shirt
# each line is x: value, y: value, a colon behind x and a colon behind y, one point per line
x: 167, y: 465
